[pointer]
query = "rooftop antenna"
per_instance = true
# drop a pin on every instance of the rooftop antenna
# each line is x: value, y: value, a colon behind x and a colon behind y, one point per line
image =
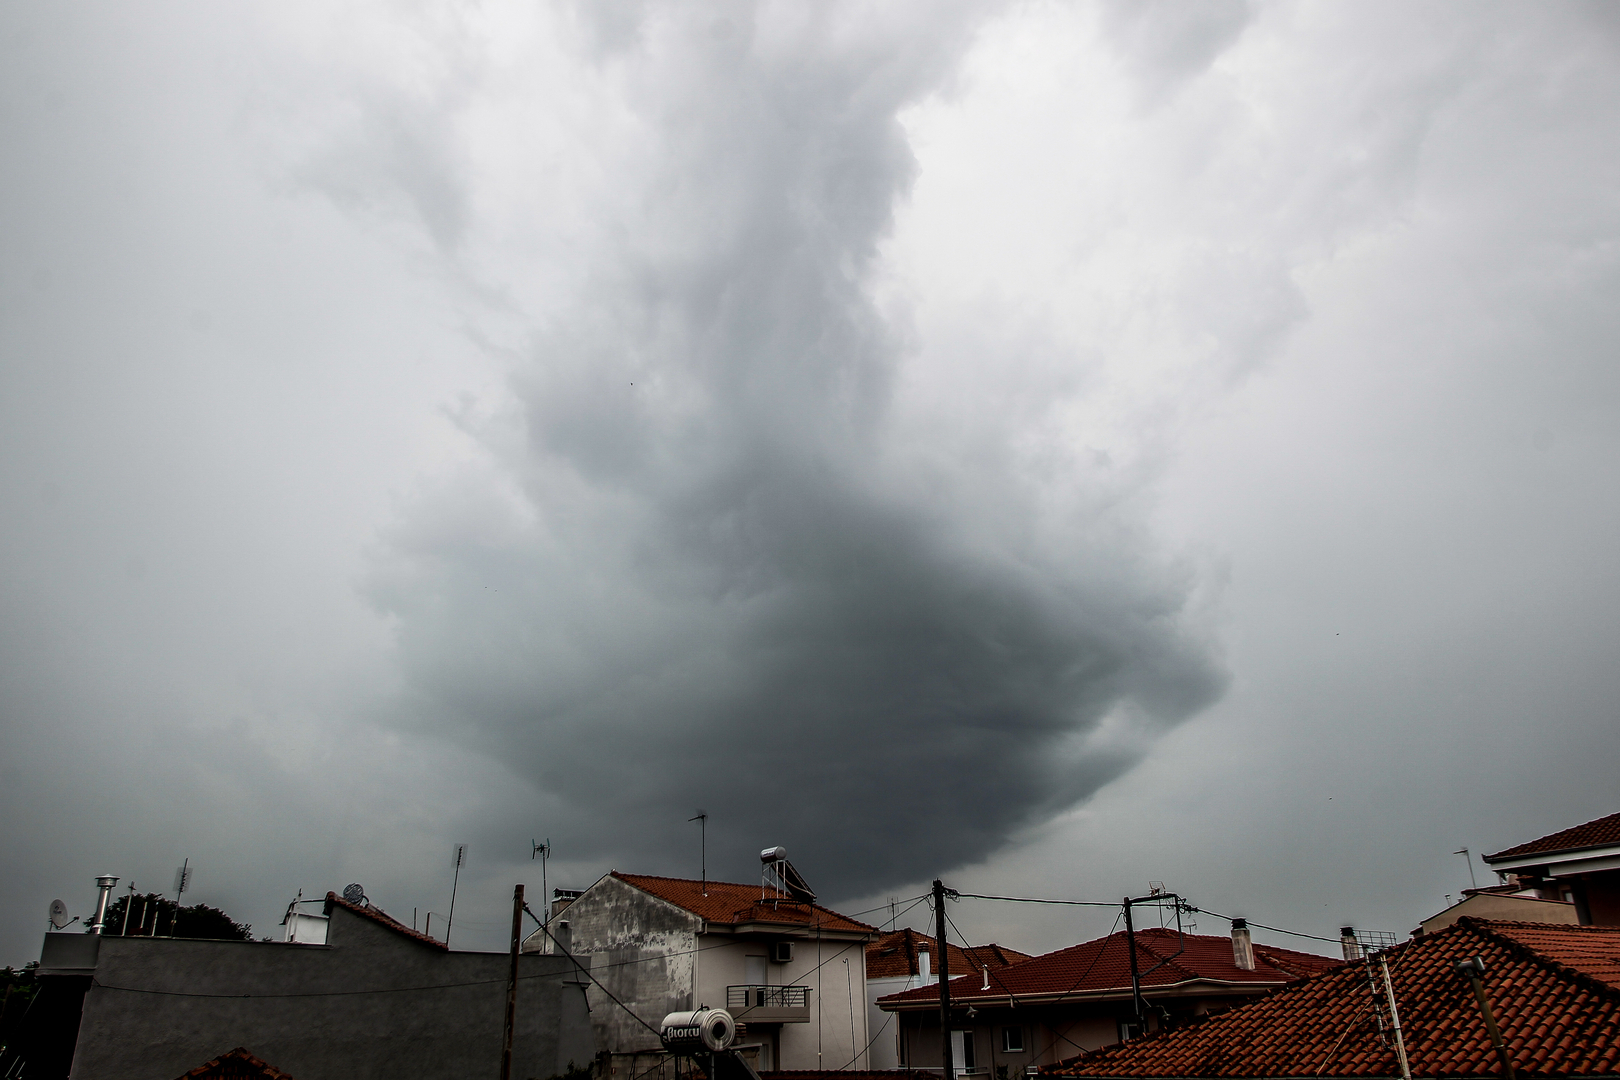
x: 461, y: 854
x: 543, y: 852
x: 129, y: 902
x: 182, y: 882
x: 702, y: 819
x: 1464, y: 853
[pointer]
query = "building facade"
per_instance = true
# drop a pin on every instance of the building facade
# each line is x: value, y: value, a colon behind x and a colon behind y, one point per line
x: 791, y: 972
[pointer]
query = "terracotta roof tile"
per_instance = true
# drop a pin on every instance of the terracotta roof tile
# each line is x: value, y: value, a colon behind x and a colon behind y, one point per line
x: 1552, y: 989
x: 729, y: 904
x: 894, y: 955
x: 382, y: 918
x: 1602, y: 832
x: 238, y: 1064
x: 1102, y: 966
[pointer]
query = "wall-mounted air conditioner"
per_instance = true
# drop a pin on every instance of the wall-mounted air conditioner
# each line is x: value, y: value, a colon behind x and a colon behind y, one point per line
x: 781, y: 952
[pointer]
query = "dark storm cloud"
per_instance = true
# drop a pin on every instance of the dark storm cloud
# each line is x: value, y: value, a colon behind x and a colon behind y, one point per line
x: 705, y: 566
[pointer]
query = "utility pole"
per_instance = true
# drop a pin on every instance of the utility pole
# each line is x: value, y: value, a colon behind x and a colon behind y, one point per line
x: 1136, y: 976
x: 511, y: 985
x: 944, y: 982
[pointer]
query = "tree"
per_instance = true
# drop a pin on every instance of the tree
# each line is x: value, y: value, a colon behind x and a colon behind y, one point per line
x: 17, y: 989
x: 157, y: 916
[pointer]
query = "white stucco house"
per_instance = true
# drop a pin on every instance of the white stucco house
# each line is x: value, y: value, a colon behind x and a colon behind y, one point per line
x: 790, y: 971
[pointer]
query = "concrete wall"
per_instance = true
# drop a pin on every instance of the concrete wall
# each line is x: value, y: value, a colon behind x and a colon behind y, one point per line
x: 642, y: 949
x: 160, y: 1007
x: 884, y: 1027
x: 1509, y: 907
x: 836, y: 1005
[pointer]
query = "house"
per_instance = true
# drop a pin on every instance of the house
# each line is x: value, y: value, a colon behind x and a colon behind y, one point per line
x: 1506, y: 903
x: 906, y: 959
x: 1580, y: 865
x: 1014, y: 1019
x: 1553, y: 991
x: 767, y: 952
x: 373, y: 998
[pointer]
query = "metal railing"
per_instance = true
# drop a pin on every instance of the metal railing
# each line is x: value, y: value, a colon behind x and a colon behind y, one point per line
x: 754, y: 996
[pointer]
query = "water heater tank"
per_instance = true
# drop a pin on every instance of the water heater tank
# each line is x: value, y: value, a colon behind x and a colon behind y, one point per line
x: 705, y: 1031
x: 773, y: 854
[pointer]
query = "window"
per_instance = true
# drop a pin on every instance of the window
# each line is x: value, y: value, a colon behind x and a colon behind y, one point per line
x: 1012, y: 1040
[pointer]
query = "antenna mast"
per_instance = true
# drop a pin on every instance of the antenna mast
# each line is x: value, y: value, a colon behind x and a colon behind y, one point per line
x: 544, y: 852
x: 461, y: 853
x: 702, y: 819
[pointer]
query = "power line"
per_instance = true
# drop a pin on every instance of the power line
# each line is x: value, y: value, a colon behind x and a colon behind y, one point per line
x: 1040, y: 900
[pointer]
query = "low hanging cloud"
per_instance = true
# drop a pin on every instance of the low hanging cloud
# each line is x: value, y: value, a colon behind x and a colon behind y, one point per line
x: 703, y: 562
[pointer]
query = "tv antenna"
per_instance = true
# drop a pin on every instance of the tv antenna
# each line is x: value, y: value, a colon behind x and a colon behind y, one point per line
x: 455, y: 883
x: 702, y: 818
x: 1474, y: 882
x: 59, y: 916
x: 543, y: 853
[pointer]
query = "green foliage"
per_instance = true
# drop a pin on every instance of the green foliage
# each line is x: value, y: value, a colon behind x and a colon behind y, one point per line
x: 151, y: 914
x: 17, y: 989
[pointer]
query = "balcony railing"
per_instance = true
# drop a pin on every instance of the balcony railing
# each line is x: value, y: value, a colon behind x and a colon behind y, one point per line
x: 755, y: 1004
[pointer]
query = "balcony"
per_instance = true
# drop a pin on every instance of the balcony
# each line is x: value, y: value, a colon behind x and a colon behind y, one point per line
x: 754, y: 1004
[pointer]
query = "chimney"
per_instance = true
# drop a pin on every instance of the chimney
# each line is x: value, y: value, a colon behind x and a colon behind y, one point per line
x: 1242, y: 945
x: 924, y: 976
x: 105, y: 883
x: 1349, y: 944
x: 986, y: 985
x: 563, y: 935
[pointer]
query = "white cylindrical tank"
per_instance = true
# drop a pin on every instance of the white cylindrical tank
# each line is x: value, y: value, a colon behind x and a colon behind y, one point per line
x: 703, y: 1031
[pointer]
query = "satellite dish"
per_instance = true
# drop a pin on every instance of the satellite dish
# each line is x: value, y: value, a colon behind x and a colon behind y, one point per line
x: 58, y: 914
x: 354, y: 894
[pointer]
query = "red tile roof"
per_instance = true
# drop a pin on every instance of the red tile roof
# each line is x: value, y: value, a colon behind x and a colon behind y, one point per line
x: 1602, y: 832
x: 1102, y: 966
x: 726, y: 903
x: 382, y: 918
x: 894, y: 956
x: 238, y: 1064
x: 1554, y: 990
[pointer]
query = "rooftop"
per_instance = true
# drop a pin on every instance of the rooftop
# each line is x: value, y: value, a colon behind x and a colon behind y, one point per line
x: 382, y: 918
x: 1102, y: 966
x: 1555, y: 992
x: 1600, y: 832
x: 726, y: 903
x: 894, y: 956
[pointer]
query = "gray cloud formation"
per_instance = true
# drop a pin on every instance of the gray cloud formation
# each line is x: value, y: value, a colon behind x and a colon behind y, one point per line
x: 705, y: 565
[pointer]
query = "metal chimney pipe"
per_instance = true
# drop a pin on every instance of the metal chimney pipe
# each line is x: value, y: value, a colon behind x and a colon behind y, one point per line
x: 105, y: 883
x: 1242, y: 945
x: 923, y: 972
x: 1348, y: 943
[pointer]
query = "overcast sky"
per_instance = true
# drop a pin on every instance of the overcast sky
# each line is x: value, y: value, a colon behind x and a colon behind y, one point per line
x: 1055, y: 447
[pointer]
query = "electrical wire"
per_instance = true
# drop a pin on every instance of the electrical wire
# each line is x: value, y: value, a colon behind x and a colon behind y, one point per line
x: 1040, y: 900
x: 1263, y: 926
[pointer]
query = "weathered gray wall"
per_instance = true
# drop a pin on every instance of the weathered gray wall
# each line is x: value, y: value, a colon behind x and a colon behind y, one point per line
x: 640, y: 948
x: 296, y: 1007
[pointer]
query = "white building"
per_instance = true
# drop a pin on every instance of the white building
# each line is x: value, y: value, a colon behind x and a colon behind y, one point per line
x: 792, y: 972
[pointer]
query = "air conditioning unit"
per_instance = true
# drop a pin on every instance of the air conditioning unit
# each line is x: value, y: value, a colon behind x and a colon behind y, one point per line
x: 781, y: 952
